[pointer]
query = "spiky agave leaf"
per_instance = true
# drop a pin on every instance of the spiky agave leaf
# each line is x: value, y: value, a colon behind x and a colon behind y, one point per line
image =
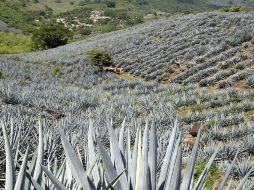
x: 190, y: 167
x: 75, y: 164
x: 143, y: 179
x: 121, y: 136
x: 176, y: 178
x: 10, y: 172
x: 53, y: 179
x: 228, y: 172
x: 117, y: 155
x: 170, y: 174
x: 167, y: 158
x: 139, y: 160
x: 30, y: 171
x: 152, y: 156
x: 128, y: 160
x: 35, y: 184
x: 110, y: 170
x: 37, y: 171
x: 134, y: 160
x: 113, y: 183
x: 243, y: 181
x: 22, y: 173
x: 91, y: 155
x: 201, y: 179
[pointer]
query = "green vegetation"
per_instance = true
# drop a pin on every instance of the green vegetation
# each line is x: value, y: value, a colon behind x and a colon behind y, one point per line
x: 85, y: 31
x: 111, y: 4
x: 14, y: 43
x: 88, y: 18
x: 214, y: 173
x: 100, y: 57
x: 235, y: 8
x: 55, y: 70
x: 1, y: 74
x: 14, y: 17
x: 51, y: 35
x: 106, y: 28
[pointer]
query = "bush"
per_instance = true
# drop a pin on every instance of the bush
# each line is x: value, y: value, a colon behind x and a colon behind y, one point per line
x: 250, y: 81
x: 224, y: 84
x: 82, y: 3
x: 1, y: 74
x: 111, y: 4
x: 85, y: 31
x: 55, y: 70
x: 51, y: 35
x: 100, y: 57
x: 235, y: 8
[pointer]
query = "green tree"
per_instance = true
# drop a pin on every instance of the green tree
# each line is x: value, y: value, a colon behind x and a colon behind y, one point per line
x: 100, y: 58
x: 51, y: 35
x: 111, y: 4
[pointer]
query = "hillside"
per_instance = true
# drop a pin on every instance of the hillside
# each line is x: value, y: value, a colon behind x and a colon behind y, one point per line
x: 184, y: 49
x: 196, y: 68
x: 90, y: 18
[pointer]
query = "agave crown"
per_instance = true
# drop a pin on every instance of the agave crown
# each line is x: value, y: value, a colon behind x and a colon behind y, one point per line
x: 120, y: 166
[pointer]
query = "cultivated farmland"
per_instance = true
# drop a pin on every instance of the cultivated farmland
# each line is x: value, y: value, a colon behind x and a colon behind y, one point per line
x: 179, y: 72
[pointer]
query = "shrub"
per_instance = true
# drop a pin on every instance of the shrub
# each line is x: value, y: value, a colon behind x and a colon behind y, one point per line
x: 224, y: 84
x: 1, y: 74
x: 51, y: 35
x: 85, y: 31
x: 240, y: 66
x: 250, y: 81
x: 235, y: 8
x: 111, y: 4
x: 55, y: 70
x: 82, y: 3
x: 100, y: 57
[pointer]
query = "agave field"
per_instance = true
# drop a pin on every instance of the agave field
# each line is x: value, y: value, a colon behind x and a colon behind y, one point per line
x: 66, y: 125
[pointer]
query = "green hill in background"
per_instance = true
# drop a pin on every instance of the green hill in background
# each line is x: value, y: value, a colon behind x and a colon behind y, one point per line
x: 88, y: 18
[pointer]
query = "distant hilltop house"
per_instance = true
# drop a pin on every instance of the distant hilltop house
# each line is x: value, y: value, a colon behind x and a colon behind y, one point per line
x: 97, y: 15
x: 158, y: 13
x: 60, y: 20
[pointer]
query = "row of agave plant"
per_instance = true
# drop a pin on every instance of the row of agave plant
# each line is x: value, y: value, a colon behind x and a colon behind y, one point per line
x: 122, y: 165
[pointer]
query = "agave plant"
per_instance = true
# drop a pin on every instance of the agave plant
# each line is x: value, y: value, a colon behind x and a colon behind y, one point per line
x: 121, y: 166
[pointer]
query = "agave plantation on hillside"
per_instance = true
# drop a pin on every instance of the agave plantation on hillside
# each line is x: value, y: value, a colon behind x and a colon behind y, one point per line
x: 66, y: 125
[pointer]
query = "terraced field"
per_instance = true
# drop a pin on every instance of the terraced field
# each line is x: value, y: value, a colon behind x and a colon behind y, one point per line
x: 196, y: 68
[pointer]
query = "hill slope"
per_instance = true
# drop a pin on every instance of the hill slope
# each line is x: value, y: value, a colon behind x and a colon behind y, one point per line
x: 61, y: 86
x: 179, y: 49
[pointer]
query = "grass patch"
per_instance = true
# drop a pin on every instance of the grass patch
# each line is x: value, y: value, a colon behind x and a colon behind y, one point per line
x: 249, y: 114
x: 55, y: 70
x: 234, y: 8
x: 190, y: 108
x: 1, y: 74
x: 212, y: 177
x: 57, y: 7
x: 14, y: 43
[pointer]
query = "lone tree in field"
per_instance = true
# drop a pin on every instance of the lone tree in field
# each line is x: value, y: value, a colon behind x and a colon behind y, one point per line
x: 100, y: 58
x: 51, y: 35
